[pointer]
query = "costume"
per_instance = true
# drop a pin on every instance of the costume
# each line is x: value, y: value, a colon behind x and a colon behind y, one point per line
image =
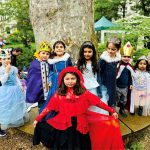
x: 124, y: 78
x: 107, y: 77
x: 91, y: 84
x: 37, y: 78
x: 12, y: 100
x: 35, y: 84
x: 71, y: 123
x: 140, y: 95
x: 57, y: 65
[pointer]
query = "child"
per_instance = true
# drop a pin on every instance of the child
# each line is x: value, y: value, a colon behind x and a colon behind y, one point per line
x: 12, y: 97
x: 108, y: 68
x: 69, y: 128
x: 60, y: 60
x: 37, y: 78
x: 140, y: 95
x: 124, y: 79
x: 87, y: 64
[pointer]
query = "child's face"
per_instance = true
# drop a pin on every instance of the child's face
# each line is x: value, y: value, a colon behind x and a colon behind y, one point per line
x: 111, y: 49
x: 59, y: 49
x: 88, y: 53
x: 70, y: 80
x: 43, y: 55
x: 125, y: 59
x: 6, y: 61
x: 16, y: 53
x: 142, y: 65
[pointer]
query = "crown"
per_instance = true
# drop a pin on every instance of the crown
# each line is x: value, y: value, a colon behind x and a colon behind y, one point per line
x: 127, y: 50
x: 44, y: 46
x: 4, y: 53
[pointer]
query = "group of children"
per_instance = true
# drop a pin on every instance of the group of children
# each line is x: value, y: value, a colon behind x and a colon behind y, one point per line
x: 75, y: 101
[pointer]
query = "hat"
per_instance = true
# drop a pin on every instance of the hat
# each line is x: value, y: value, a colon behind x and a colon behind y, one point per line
x: 127, y: 50
x: 43, y: 46
x: 69, y: 70
x: 142, y: 58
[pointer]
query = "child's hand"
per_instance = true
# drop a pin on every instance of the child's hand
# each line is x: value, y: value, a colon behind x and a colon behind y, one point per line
x: 50, y: 84
x: 8, y: 67
x: 34, y: 123
x: 131, y: 87
x: 115, y: 115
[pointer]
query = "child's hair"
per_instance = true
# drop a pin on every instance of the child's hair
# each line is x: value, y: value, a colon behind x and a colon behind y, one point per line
x: 53, y: 54
x: 59, y: 42
x: 115, y: 41
x: 78, y: 89
x: 137, y: 63
x: 81, y: 64
x: 17, y: 49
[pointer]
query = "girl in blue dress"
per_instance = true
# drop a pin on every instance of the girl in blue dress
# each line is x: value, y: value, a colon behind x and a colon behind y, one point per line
x: 58, y: 61
x: 12, y: 97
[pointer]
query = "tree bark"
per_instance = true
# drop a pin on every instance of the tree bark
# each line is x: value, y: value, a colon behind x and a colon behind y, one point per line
x: 68, y: 20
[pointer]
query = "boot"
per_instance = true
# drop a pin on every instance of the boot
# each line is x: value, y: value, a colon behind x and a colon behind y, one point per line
x: 140, y: 111
x: 122, y: 111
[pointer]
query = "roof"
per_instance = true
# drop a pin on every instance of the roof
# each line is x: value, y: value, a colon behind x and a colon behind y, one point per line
x: 103, y: 24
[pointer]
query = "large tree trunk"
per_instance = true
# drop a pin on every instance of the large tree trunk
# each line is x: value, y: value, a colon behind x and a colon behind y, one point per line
x: 68, y: 20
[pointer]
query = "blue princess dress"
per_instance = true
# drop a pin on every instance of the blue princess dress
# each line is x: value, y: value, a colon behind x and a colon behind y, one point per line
x: 58, y: 64
x: 12, y: 100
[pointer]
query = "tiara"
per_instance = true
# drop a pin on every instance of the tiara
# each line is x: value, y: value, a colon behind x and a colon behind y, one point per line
x: 87, y: 43
x: 4, y: 53
x: 114, y: 40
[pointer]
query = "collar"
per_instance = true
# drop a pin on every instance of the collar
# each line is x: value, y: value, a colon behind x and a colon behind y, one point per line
x: 105, y: 56
x: 55, y: 60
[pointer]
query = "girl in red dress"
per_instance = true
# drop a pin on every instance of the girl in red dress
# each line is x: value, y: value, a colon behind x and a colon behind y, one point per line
x: 73, y: 125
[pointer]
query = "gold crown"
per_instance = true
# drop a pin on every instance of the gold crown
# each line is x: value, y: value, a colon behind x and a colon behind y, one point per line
x: 44, y: 46
x: 127, y: 50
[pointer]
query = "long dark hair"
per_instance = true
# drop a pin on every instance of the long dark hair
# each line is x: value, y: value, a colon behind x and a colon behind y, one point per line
x: 137, y: 63
x: 81, y: 64
x: 78, y: 89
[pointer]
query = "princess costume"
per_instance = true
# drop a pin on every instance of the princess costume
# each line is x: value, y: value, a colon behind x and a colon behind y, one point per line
x: 12, y: 99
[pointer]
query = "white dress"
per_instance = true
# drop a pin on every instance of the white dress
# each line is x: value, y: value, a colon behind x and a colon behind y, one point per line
x: 91, y: 84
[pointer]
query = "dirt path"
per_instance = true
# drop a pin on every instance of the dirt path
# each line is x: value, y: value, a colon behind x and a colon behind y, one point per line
x: 18, y: 140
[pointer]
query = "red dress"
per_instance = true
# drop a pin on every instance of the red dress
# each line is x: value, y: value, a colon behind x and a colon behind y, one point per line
x: 104, y: 130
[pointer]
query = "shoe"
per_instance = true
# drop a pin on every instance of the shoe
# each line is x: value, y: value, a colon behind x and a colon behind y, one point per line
x: 132, y: 114
x: 123, y: 113
x: 140, y: 111
x: 2, y: 133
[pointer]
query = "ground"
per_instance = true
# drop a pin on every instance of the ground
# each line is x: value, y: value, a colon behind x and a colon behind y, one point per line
x: 18, y: 140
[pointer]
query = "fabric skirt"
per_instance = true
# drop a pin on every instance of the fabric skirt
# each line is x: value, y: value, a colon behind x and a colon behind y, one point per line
x: 12, y: 107
x: 104, y: 132
x: 69, y: 139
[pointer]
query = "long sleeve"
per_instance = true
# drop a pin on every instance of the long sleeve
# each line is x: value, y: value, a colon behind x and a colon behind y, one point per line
x: 52, y: 105
x: 95, y: 100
